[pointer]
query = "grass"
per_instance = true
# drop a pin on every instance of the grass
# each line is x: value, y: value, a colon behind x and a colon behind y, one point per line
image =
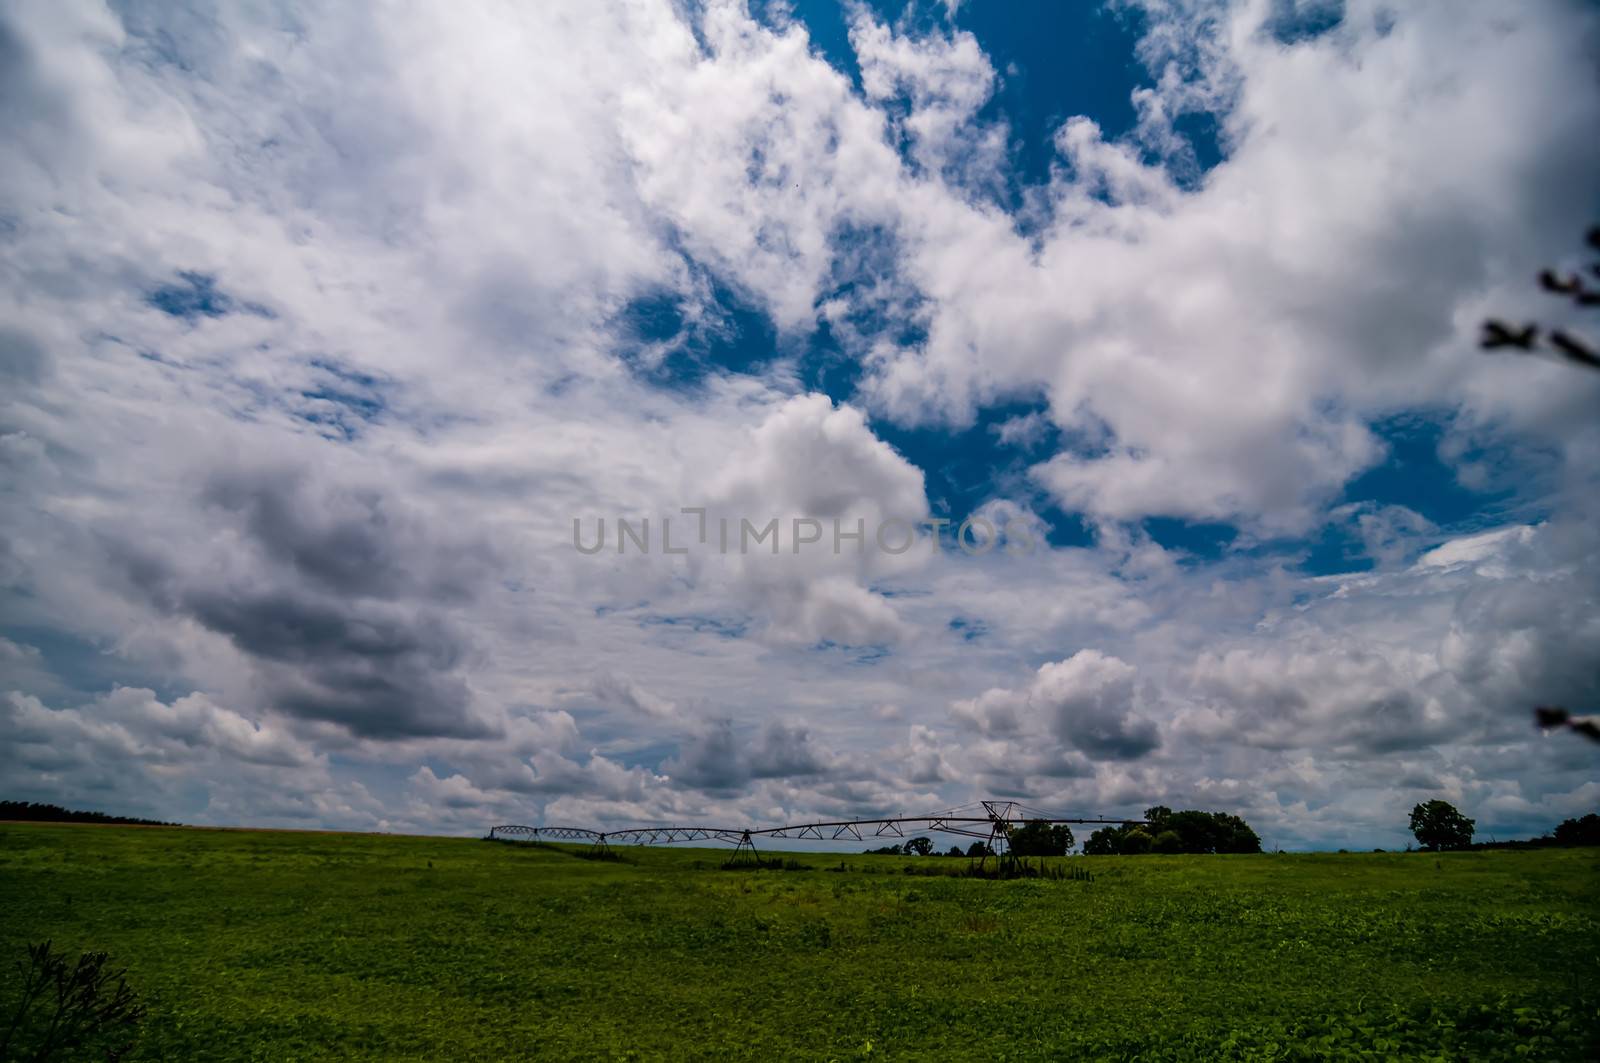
x: 281, y: 946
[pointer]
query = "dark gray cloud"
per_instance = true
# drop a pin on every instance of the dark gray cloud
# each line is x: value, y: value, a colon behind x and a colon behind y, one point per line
x: 1337, y: 698
x: 1085, y: 702
x: 717, y: 760
x: 335, y: 594
x: 787, y: 751
x: 1113, y: 734
x: 381, y: 672
x: 712, y: 760
x: 1026, y: 768
x: 33, y: 102
x: 356, y: 540
x: 22, y: 359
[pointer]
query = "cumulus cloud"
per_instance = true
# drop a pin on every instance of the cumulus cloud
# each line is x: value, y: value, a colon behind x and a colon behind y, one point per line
x: 944, y: 81
x: 1087, y: 701
x: 812, y: 462
x: 333, y: 624
x: 1452, y: 650
x: 718, y: 759
x: 129, y: 748
x: 614, y: 690
x: 1220, y: 349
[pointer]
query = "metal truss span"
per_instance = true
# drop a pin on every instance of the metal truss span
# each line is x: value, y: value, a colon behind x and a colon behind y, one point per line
x: 988, y: 820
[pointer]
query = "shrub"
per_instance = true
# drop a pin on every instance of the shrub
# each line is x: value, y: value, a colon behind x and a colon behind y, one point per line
x: 1136, y: 842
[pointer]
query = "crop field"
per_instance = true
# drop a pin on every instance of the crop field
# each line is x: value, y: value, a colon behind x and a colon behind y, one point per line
x: 281, y: 946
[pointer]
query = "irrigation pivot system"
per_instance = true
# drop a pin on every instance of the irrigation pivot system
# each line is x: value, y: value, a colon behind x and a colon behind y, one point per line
x: 991, y: 821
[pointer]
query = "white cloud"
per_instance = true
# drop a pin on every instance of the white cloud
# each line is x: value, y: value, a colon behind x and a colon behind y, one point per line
x: 1086, y: 701
x: 811, y: 461
x: 1221, y: 348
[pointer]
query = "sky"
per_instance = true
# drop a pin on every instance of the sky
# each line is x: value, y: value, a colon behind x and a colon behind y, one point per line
x: 331, y: 338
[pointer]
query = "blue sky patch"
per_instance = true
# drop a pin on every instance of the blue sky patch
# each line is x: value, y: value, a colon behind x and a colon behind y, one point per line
x: 871, y: 654
x: 969, y: 628
x: 964, y: 468
x: 867, y: 302
x: 1195, y: 540
x: 826, y: 367
x: 86, y: 668
x: 1413, y: 475
x: 1293, y: 21
x: 196, y: 295
x: 1054, y: 61
x: 673, y: 340
x: 343, y: 401
x: 1335, y: 549
x: 697, y: 625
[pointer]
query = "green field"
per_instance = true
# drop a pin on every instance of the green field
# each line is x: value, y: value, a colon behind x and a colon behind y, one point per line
x: 279, y: 946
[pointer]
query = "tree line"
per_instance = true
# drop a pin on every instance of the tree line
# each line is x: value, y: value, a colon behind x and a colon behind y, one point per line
x: 1163, y: 831
x: 923, y: 846
x: 34, y: 812
x: 1439, y: 826
x: 1166, y: 831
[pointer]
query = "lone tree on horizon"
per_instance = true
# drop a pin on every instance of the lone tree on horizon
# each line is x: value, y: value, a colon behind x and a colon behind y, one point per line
x: 1440, y: 825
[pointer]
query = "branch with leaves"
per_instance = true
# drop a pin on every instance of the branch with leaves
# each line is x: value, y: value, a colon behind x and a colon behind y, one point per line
x: 1497, y: 334
x: 63, y: 1007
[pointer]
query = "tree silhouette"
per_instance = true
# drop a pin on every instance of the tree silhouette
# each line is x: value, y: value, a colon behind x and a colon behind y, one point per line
x: 1585, y: 831
x: 1166, y: 831
x: 1038, y: 838
x: 1440, y: 825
